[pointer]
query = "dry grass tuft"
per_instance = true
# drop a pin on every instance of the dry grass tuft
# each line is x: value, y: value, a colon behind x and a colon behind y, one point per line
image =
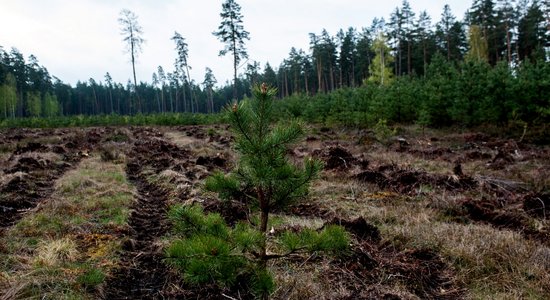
x: 181, y: 139
x: 485, y: 258
x: 52, y: 253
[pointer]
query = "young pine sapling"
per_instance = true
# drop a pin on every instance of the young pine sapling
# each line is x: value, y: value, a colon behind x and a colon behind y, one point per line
x: 269, y: 180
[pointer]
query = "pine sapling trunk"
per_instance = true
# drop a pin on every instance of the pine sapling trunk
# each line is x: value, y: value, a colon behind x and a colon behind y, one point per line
x: 264, y: 218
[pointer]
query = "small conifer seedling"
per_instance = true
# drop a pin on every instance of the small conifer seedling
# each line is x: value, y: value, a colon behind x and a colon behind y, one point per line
x: 269, y: 180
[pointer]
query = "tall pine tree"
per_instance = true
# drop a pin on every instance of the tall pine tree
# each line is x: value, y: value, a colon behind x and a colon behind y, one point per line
x: 231, y: 32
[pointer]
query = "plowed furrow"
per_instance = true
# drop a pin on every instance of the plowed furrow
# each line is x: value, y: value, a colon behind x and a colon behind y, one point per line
x: 141, y: 273
x: 33, y: 177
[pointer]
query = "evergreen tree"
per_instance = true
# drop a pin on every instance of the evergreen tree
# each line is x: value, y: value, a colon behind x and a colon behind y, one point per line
x: 263, y: 163
x: 483, y: 13
x: 472, y: 85
x: 396, y: 34
x: 324, y: 60
x: 162, y: 82
x: 269, y: 76
x: 183, y: 67
x: 425, y: 41
x: 252, y: 72
x: 365, y: 54
x: 440, y: 91
x: 348, y: 57
x: 533, y: 39
x: 51, y: 106
x: 408, y: 31
x: 265, y: 174
x: 109, y: 81
x: 508, y: 16
x: 133, y: 38
x: 450, y: 36
x: 208, y: 83
x: 231, y: 32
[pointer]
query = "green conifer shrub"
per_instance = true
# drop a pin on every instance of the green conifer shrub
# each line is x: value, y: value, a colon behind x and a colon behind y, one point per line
x: 211, y: 251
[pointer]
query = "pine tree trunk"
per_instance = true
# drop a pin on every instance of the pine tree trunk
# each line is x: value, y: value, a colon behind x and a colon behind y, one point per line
x: 319, y: 76
x: 96, y: 102
x: 508, y: 44
x: 234, y: 68
x: 425, y: 57
x: 409, y: 59
x: 306, y: 85
x: 163, y: 103
x: 190, y: 90
x: 185, y: 105
x: 400, y: 58
x: 111, y: 99
x: 158, y: 101
x: 286, y: 84
x: 135, y: 79
x: 448, y: 48
x: 331, y: 70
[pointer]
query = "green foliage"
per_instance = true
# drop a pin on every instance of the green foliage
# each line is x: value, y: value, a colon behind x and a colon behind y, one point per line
x: 8, y: 97
x: 227, y: 187
x: 478, y: 45
x: 380, y: 69
x: 247, y: 238
x: 332, y: 239
x: 382, y: 131
x: 171, y: 119
x: 209, y: 251
x: 499, y: 31
x: 51, y: 106
x: 91, y: 278
x: 34, y: 105
x: 263, y: 163
x: 191, y: 220
x: 262, y: 283
x: 466, y: 94
x: 205, y: 254
x: 204, y: 259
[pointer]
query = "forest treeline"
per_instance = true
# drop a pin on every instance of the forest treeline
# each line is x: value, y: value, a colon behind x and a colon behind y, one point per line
x: 491, y: 67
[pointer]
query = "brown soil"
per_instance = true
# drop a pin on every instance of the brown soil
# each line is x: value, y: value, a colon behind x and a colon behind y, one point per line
x: 365, y: 270
x: 141, y: 273
x: 537, y: 205
x: 497, y: 182
x: 335, y: 158
x: 508, y: 214
x: 407, y: 181
x: 31, y: 172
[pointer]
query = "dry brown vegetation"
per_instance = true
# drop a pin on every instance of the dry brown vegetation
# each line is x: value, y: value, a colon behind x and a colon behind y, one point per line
x: 433, y: 215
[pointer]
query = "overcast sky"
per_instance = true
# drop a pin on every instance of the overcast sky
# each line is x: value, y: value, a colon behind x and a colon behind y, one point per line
x: 80, y: 39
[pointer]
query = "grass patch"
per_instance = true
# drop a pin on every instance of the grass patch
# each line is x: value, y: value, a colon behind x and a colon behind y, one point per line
x: 91, y: 278
x: 64, y: 248
x: 490, y: 263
